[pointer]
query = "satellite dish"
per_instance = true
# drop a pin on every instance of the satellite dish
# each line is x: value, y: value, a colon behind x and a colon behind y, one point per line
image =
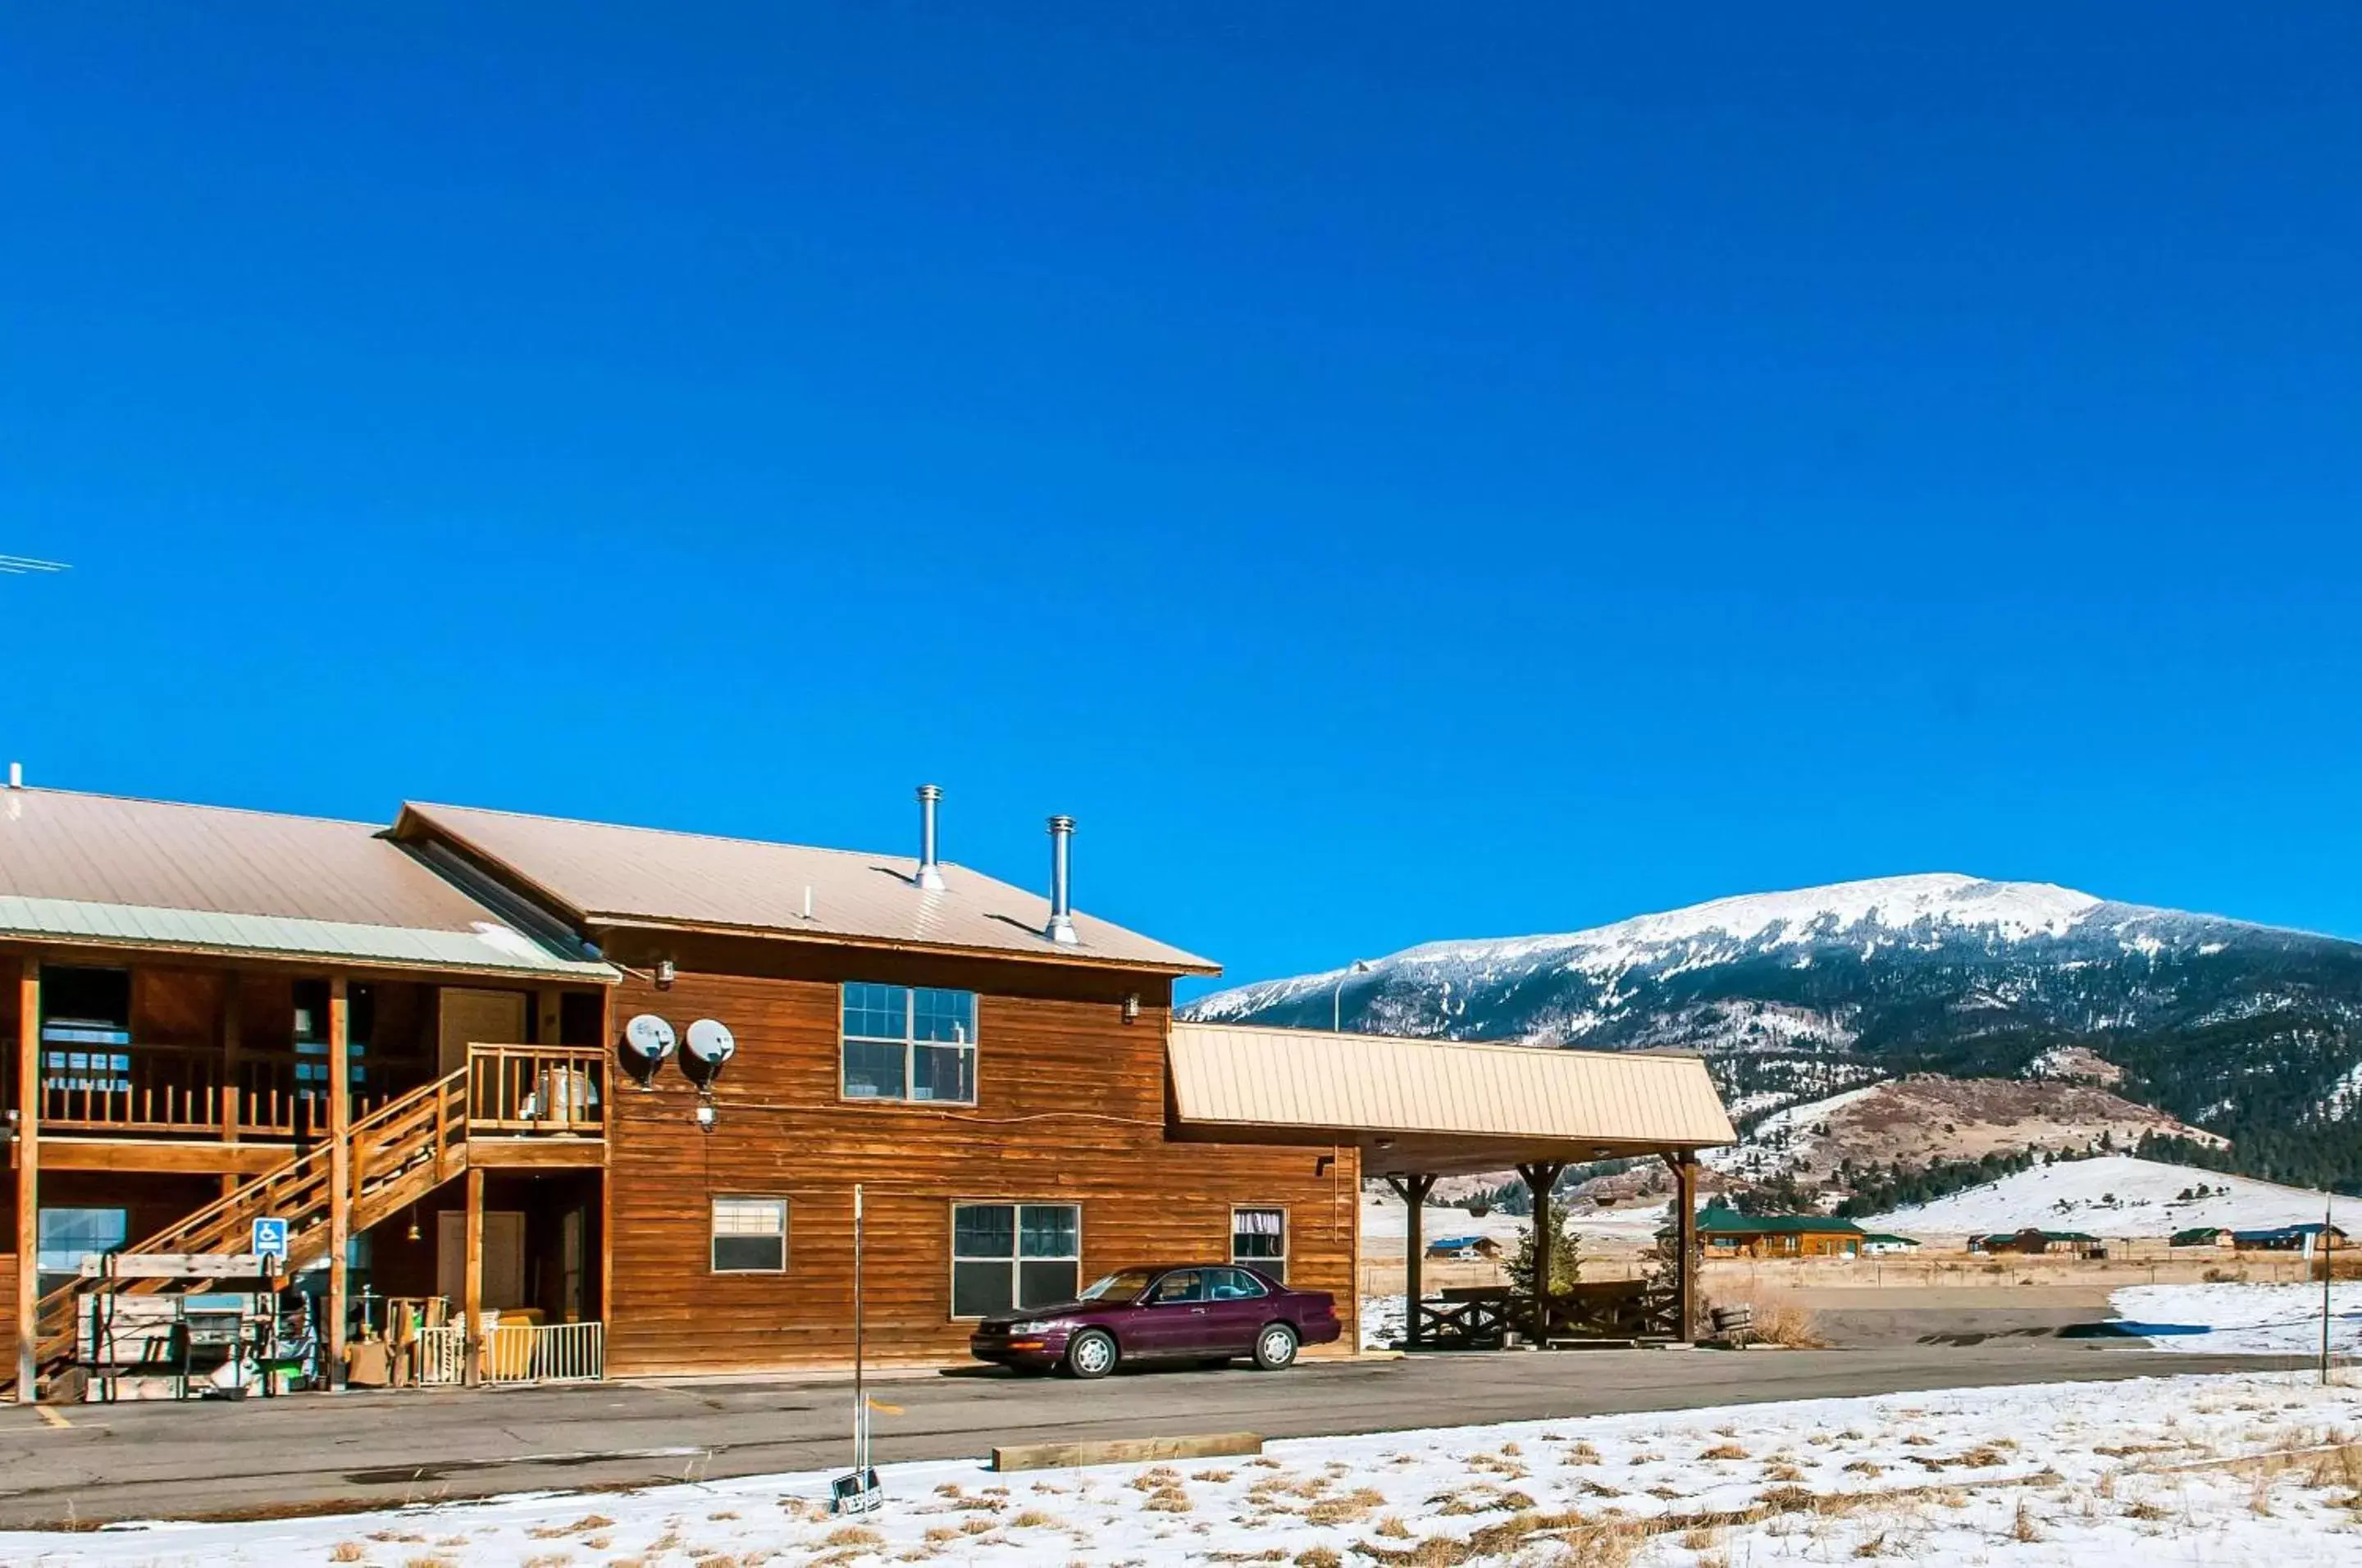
x: 709, y: 1047
x: 648, y: 1041
x: 648, y: 1035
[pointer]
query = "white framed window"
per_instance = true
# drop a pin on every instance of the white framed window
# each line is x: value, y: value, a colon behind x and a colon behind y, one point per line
x: 1258, y: 1240
x: 907, y: 1042
x: 1009, y: 1256
x: 750, y: 1235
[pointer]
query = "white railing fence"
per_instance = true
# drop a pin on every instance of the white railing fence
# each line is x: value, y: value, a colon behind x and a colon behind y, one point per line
x: 516, y: 1352
x: 443, y: 1354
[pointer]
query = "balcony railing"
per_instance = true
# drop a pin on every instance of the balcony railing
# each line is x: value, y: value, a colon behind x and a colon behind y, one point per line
x: 186, y: 1090
x: 193, y: 1092
x: 537, y: 1090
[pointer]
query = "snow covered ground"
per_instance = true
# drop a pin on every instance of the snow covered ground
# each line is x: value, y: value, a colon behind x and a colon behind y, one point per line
x: 2114, y: 1195
x: 2152, y: 1470
x: 2247, y: 1320
x: 1787, y: 1134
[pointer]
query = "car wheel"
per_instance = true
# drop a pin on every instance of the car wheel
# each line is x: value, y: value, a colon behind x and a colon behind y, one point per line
x: 1274, y: 1347
x: 1091, y: 1354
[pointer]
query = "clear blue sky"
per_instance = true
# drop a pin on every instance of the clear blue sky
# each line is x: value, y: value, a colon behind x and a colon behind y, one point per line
x: 1391, y: 476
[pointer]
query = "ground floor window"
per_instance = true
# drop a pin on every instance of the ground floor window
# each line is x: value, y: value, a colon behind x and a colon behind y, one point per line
x: 1258, y: 1240
x: 67, y: 1235
x: 1008, y: 1256
x: 750, y: 1235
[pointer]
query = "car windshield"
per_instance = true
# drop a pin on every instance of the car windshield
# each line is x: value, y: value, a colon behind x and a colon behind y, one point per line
x: 1124, y: 1283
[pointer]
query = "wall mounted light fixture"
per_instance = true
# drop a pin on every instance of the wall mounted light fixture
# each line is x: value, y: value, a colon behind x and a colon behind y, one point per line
x: 705, y: 1116
x: 664, y: 974
x: 1131, y: 1008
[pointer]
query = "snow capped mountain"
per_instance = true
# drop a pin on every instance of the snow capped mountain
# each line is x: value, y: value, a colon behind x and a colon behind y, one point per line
x: 2249, y: 1031
x: 1883, y: 911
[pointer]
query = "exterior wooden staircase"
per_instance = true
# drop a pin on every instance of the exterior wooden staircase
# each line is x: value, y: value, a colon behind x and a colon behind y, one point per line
x: 400, y: 1153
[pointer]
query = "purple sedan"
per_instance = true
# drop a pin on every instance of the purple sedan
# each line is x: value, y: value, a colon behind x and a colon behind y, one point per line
x: 1202, y: 1312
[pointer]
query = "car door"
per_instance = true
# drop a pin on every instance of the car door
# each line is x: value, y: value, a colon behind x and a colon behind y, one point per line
x: 1236, y: 1308
x: 1171, y: 1318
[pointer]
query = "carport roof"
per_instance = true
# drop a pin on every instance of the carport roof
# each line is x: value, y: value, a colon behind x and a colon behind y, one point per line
x: 1437, y: 1107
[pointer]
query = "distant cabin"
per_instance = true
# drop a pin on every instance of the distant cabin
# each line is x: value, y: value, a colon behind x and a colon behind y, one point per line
x: 2304, y: 1239
x: 1727, y: 1233
x: 1878, y: 1244
x: 2201, y: 1236
x: 1464, y: 1248
x: 2034, y: 1240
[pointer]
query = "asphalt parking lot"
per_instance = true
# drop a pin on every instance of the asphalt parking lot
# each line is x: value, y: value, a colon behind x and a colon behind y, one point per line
x: 88, y: 1463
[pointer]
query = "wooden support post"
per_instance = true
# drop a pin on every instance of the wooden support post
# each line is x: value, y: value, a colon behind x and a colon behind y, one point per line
x: 1413, y: 1190
x: 1540, y: 1177
x: 1684, y: 1163
x: 607, y: 1120
x: 233, y: 1030
x: 29, y: 1178
x: 549, y: 1016
x: 471, y: 1347
x: 340, y: 1154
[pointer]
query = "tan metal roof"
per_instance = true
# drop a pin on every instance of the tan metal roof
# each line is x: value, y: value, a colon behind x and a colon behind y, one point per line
x: 1437, y: 1106
x: 602, y: 874
x: 103, y: 869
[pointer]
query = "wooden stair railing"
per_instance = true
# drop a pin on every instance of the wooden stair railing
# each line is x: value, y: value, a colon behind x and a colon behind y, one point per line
x: 401, y: 1151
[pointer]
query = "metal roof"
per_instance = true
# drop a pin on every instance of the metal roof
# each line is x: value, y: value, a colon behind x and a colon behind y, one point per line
x: 106, y: 870
x: 601, y: 874
x: 1438, y: 1106
x: 1729, y: 1223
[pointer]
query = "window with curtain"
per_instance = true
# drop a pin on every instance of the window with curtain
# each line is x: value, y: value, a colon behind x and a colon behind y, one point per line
x: 1259, y: 1238
x: 908, y: 1042
x: 1009, y: 1256
x: 750, y: 1235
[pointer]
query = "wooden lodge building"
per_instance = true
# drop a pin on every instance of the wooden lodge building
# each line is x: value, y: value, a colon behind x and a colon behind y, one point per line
x: 414, y: 1045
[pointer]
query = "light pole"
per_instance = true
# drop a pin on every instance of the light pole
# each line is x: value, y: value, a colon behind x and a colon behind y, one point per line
x: 1337, y: 995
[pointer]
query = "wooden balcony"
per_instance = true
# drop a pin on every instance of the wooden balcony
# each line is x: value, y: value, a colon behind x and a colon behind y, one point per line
x: 536, y: 1105
x: 183, y: 1091
x: 172, y: 1108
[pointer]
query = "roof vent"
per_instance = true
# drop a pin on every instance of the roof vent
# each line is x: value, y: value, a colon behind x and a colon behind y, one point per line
x: 1061, y: 928
x: 931, y: 876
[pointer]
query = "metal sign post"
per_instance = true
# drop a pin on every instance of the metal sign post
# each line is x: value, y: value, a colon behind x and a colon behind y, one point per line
x: 2328, y: 1273
x: 856, y: 1493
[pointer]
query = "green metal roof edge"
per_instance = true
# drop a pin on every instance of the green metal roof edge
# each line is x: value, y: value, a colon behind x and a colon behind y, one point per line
x: 491, y: 947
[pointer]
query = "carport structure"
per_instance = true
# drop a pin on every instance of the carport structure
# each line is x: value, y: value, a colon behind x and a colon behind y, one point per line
x: 1421, y: 1109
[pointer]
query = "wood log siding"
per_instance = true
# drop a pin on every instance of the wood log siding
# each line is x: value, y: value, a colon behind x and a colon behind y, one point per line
x: 1071, y: 1104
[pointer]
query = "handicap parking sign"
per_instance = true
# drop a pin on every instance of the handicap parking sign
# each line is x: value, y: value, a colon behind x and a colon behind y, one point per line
x: 270, y: 1238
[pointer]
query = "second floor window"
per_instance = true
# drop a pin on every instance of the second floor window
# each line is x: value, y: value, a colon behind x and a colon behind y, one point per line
x: 908, y: 1042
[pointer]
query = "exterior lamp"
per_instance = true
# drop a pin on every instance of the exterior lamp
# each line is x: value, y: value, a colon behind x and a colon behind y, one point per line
x: 1131, y: 1008
x: 705, y: 1116
x: 1337, y: 995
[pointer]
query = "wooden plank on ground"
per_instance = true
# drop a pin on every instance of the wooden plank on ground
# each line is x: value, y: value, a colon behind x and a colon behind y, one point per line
x: 1123, y: 1451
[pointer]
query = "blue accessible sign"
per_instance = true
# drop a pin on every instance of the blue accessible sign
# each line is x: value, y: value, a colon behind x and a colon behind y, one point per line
x: 270, y: 1238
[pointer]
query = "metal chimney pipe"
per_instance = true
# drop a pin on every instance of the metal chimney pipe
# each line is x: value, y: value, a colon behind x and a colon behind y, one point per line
x: 1062, y: 910
x: 931, y: 876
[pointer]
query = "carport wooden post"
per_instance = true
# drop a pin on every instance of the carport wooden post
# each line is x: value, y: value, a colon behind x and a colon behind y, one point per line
x: 1413, y: 1191
x: 28, y: 1177
x: 1685, y: 1237
x: 1540, y: 1176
